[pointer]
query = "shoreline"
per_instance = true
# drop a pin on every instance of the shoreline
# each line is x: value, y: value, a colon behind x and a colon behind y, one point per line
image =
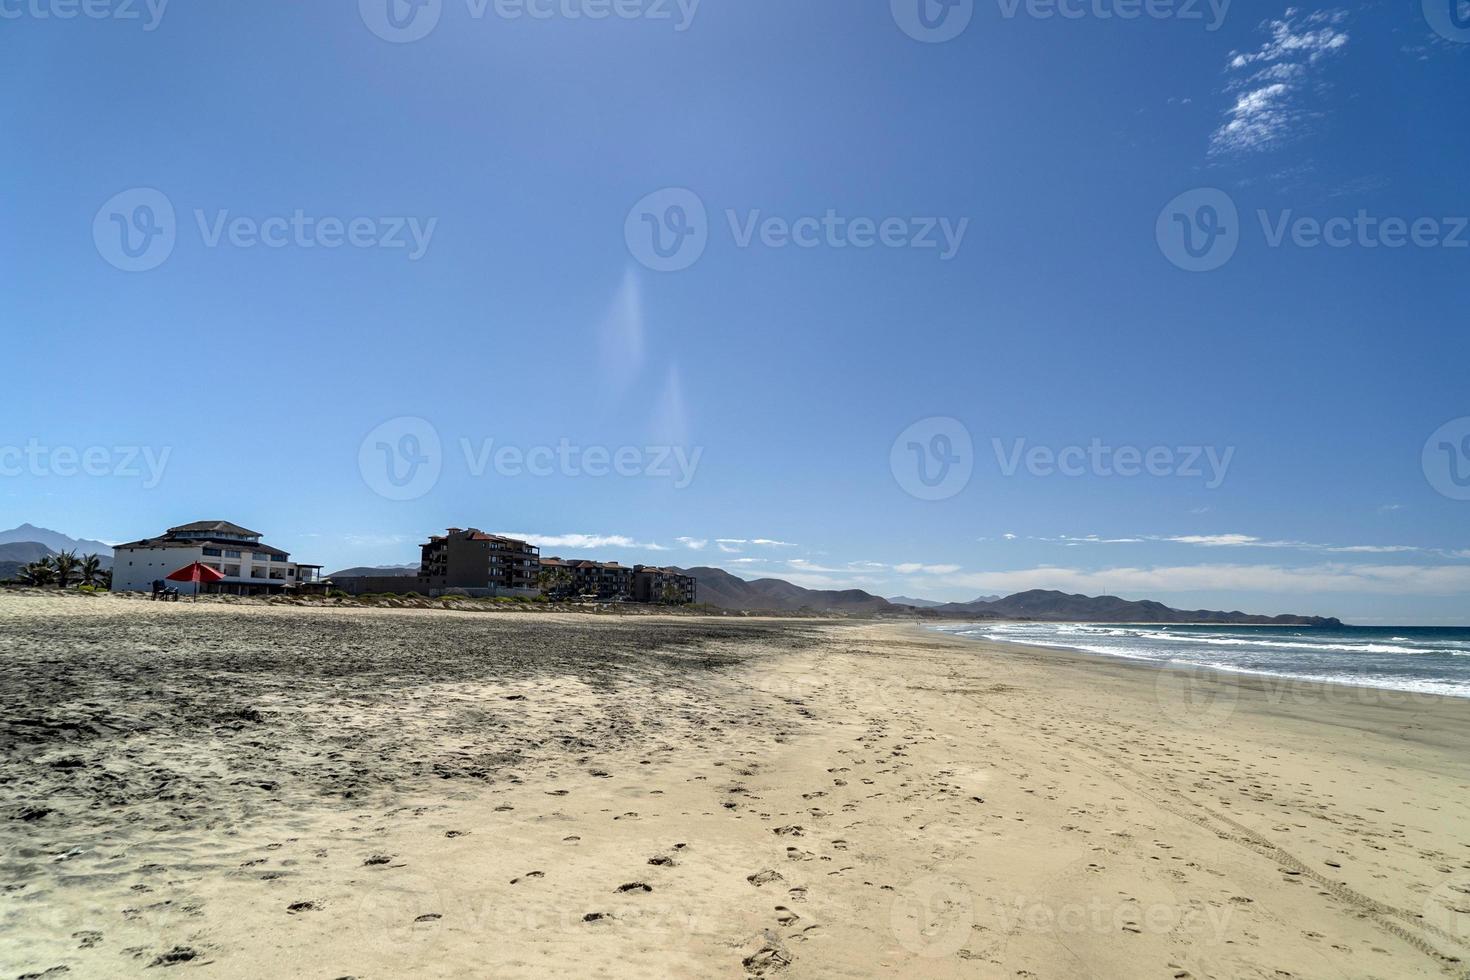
x: 1263, y: 675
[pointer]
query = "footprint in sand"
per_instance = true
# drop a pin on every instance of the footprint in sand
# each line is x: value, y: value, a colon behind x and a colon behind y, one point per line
x: 296, y: 907
x: 764, y: 877
x: 785, y: 916
x: 635, y: 886
x: 528, y: 875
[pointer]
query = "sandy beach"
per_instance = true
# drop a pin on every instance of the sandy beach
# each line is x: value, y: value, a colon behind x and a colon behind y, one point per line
x: 268, y: 790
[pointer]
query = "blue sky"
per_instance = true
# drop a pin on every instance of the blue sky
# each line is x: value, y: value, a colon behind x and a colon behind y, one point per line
x: 378, y: 243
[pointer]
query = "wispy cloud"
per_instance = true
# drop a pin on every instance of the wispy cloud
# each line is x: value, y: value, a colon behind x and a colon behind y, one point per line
x: 583, y: 541
x: 734, y: 546
x: 1273, y: 86
x: 694, y: 544
x: 913, y: 568
x: 1239, y: 541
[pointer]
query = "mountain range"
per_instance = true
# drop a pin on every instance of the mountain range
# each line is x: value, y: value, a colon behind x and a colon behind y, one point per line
x: 719, y: 588
x: 22, y: 545
x: 55, y: 540
x: 376, y: 571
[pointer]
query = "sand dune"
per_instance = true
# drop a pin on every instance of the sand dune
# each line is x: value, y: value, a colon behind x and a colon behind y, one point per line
x: 271, y: 791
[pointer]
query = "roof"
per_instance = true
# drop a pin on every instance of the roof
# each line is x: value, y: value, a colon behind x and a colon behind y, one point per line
x: 204, y: 542
x: 218, y: 527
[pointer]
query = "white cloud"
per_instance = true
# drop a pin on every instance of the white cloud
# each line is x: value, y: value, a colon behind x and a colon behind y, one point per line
x: 1272, y: 85
x: 911, y: 568
x: 694, y: 544
x: 734, y: 546
x: 1238, y: 541
x: 583, y: 541
x: 1009, y: 536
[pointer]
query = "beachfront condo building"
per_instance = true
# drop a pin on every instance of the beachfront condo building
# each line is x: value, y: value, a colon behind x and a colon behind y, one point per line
x: 473, y: 560
x: 654, y: 584
x: 611, y: 580
x: 249, y: 566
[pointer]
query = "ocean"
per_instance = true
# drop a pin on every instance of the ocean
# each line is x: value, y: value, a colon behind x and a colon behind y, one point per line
x: 1417, y: 659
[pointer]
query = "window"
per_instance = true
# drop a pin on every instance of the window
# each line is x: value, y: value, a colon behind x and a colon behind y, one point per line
x: 212, y: 552
x: 231, y: 554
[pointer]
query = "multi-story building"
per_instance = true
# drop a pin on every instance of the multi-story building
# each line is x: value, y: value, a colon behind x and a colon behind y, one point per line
x: 249, y: 567
x: 472, y: 560
x: 664, y: 585
x: 611, y: 580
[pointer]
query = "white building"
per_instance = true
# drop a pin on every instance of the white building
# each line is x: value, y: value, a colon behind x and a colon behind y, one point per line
x: 249, y: 567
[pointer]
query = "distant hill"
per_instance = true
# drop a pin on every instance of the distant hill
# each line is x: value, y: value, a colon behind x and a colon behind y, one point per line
x: 376, y: 571
x: 903, y: 600
x: 24, y: 552
x: 56, y: 541
x: 15, y: 555
x: 717, y: 587
x: 1044, y: 604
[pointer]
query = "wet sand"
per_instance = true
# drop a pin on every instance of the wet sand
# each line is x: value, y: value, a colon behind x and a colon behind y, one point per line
x: 255, y: 790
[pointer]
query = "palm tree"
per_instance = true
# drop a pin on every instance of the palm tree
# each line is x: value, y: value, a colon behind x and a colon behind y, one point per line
x: 91, y: 569
x: 37, y: 573
x: 66, y: 566
x: 104, y: 579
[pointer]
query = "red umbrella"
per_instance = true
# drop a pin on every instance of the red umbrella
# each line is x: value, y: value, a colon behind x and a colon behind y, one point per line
x: 196, y: 573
